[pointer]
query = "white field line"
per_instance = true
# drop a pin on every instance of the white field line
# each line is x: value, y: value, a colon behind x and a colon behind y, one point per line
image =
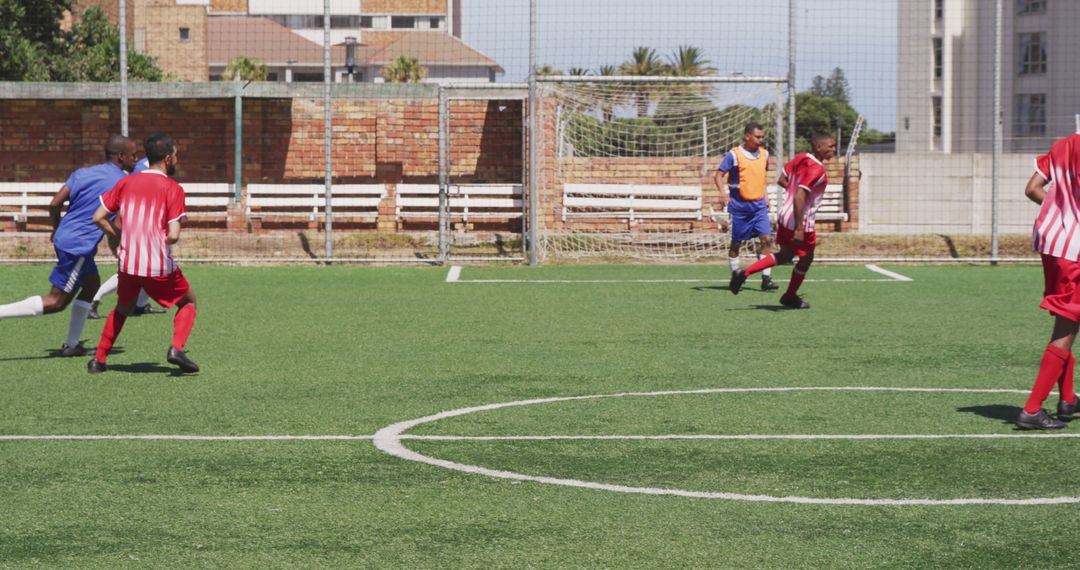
x: 454, y: 276
x: 389, y: 439
x: 483, y: 438
x: 888, y: 273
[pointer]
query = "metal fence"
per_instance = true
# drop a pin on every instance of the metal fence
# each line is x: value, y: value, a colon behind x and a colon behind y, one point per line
x: 437, y: 130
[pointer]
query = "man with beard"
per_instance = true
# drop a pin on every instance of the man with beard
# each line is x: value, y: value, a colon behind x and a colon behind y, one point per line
x: 149, y: 207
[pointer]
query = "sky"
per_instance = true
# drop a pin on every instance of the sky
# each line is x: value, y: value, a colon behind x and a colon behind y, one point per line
x: 748, y: 37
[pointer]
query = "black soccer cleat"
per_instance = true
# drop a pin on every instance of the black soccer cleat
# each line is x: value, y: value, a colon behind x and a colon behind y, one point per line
x: 1066, y: 411
x: 77, y: 350
x: 793, y: 302
x: 1038, y: 420
x: 95, y: 367
x: 147, y: 309
x: 179, y: 358
x: 737, y: 280
x: 767, y: 284
x: 93, y: 314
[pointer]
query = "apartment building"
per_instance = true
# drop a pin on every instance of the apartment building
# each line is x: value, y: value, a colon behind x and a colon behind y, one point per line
x: 945, y: 74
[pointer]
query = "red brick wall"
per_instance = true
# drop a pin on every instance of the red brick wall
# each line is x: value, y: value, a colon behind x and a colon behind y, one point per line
x: 373, y: 140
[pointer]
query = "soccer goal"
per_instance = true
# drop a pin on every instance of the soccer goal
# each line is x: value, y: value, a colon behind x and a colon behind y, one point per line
x: 627, y: 163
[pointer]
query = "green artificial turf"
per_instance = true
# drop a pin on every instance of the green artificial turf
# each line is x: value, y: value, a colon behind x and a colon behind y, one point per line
x: 334, y: 351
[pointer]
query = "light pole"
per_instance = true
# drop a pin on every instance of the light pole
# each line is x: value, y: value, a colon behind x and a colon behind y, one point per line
x: 350, y: 56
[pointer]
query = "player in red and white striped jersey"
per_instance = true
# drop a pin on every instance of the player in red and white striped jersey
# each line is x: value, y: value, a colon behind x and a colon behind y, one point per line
x: 805, y: 180
x: 1056, y: 236
x: 149, y: 207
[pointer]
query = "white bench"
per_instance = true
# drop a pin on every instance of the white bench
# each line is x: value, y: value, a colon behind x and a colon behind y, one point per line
x: 467, y: 201
x: 831, y: 208
x: 308, y: 200
x: 631, y: 201
x: 22, y: 201
x: 207, y: 199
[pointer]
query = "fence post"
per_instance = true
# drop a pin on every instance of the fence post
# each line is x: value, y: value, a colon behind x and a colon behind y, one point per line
x: 327, y: 133
x: 533, y: 168
x: 238, y: 139
x: 444, y: 198
x: 996, y: 166
x: 123, y: 69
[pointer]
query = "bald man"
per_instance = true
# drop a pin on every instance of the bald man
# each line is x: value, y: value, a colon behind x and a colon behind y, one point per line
x: 75, y: 239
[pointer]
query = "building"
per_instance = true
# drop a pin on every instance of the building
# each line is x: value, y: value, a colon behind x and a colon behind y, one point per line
x: 194, y: 40
x: 287, y: 37
x: 945, y: 73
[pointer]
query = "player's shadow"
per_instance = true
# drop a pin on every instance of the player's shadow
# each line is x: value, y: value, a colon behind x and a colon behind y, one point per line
x: 55, y: 353
x: 146, y: 368
x: 1006, y: 414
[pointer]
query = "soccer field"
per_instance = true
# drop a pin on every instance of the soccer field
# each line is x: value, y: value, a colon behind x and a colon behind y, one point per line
x: 652, y: 420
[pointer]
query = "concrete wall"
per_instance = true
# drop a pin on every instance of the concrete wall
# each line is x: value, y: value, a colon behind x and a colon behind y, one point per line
x: 948, y: 194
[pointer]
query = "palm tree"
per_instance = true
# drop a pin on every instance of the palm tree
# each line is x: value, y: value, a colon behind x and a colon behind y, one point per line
x: 547, y: 71
x: 608, y: 93
x: 245, y: 68
x: 687, y: 61
x: 644, y: 62
x: 405, y: 69
x: 577, y: 71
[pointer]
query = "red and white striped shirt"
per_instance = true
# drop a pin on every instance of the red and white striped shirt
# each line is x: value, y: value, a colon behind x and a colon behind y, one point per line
x: 804, y: 172
x: 1057, y: 228
x: 146, y: 203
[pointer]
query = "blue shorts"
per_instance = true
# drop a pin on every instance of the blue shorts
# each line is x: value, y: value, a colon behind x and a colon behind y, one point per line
x: 746, y: 226
x: 71, y: 270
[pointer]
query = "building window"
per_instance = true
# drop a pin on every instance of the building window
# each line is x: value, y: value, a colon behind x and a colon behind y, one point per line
x: 375, y: 22
x: 939, y: 58
x: 939, y: 9
x: 435, y: 22
x: 1031, y: 6
x: 937, y: 116
x: 402, y: 22
x: 185, y: 34
x: 1030, y: 115
x: 308, y: 77
x: 1032, y: 52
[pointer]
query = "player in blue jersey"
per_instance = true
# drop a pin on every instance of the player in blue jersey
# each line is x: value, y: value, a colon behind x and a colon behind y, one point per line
x: 142, y: 304
x: 741, y: 182
x: 75, y: 238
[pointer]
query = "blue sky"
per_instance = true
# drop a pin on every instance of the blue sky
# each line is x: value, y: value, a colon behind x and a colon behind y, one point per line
x: 749, y: 37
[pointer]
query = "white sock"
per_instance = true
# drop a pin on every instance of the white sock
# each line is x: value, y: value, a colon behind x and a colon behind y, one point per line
x: 733, y: 263
x: 108, y: 287
x: 144, y: 299
x: 79, y: 311
x: 29, y: 307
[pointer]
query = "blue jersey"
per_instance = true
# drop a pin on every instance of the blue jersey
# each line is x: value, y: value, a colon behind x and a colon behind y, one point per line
x: 730, y: 166
x: 77, y: 233
x: 142, y: 165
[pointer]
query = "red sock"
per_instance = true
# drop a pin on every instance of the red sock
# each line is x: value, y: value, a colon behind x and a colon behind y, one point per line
x: 1065, y: 385
x: 113, y: 325
x: 183, y: 322
x: 796, y: 282
x: 1051, y: 369
x: 761, y: 264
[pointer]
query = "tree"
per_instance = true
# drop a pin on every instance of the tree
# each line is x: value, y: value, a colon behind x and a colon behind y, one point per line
x: 577, y: 71
x: 91, y: 52
x: 405, y: 69
x: 28, y: 37
x: 246, y: 69
x: 547, y: 71
x: 687, y: 61
x: 644, y: 62
x: 835, y: 86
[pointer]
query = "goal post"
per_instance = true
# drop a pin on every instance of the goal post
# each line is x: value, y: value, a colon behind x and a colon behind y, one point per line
x: 627, y: 163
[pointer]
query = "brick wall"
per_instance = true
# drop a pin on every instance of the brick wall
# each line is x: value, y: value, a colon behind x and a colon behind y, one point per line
x: 403, y: 6
x: 374, y: 140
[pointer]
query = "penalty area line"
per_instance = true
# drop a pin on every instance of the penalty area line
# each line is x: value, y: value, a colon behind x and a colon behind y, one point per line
x: 454, y: 276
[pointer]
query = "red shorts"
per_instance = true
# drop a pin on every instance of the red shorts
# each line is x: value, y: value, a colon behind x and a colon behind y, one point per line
x: 1061, y: 295
x: 167, y: 290
x: 786, y: 237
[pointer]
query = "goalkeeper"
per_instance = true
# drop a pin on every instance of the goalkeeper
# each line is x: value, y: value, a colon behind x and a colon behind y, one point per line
x: 741, y: 181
